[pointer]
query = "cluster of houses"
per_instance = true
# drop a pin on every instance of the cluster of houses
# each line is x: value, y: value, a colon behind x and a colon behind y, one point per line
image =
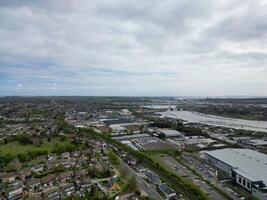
x: 20, y: 128
x: 54, y: 176
x: 156, y: 181
x: 150, y: 177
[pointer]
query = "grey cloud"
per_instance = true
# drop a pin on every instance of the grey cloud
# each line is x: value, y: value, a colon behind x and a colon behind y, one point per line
x: 138, y: 47
x: 248, y: 23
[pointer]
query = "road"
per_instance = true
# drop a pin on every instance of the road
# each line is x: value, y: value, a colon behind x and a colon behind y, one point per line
x: 142, y: 185
x: 180, y: 170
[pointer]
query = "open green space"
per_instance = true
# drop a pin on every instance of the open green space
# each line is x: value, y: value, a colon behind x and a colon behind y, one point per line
x: 15, y: 148
x: 156, y: 159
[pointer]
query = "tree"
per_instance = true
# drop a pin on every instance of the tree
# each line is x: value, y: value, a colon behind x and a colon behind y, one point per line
x: 23, y: 157
x: 162, y: 136
x: 113, y: 158
x: 130, y: 186
x: 4, y: 160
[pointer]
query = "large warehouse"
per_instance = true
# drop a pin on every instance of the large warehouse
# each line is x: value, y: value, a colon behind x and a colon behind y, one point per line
x: 246, y: 167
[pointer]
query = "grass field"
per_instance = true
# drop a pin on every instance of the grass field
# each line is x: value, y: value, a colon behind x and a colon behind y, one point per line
x: 14, y: 148
x: 158, y: 158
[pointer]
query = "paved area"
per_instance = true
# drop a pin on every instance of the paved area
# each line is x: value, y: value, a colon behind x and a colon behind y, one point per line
x: 180, y: 170
x: 208, y: 174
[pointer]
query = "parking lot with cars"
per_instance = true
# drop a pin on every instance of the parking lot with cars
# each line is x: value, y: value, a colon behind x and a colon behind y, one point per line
x: 208, y: 173
x: 175, y: 167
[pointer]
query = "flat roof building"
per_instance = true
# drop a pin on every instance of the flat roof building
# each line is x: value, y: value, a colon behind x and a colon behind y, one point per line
x: 258, y: 142
x: 170, y: 133
x: 109, y: 122
x: 246, y: 167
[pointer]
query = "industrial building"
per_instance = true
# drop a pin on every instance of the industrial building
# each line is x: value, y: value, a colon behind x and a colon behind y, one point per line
x: 245, y: 167
x: 170, y: 133
x: 260, y: 144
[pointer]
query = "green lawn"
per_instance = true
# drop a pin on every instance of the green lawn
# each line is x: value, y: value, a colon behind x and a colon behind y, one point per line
x: 14, y: 148
x: 157, y: 159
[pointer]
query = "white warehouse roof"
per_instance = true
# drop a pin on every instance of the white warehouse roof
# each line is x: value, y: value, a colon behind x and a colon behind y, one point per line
x: 248, y: 163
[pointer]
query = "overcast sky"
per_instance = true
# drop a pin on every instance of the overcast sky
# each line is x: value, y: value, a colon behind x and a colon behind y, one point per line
x: 130, y: 47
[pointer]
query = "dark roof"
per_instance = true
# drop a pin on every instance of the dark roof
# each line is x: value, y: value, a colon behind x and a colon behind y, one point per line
x: 117, y: 121
x: 154, y: 178
x: 33, y: 181
x: 166, y: 189
x: 14, y: 187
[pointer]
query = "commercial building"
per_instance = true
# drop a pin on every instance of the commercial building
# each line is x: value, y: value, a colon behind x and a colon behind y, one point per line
x: 170, y: 133
x: 246, y: 167
x: 261, y: 144
x: 109, y: 122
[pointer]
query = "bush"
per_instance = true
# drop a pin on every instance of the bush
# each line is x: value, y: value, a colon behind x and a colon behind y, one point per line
x: 24, y: 139
x: 23, y: 157
x: 58, y: 149
x: 4, y: 160
x: 34, y: 153
x: 113, y: 158
x: 130, y: 186
x: 161, y: 124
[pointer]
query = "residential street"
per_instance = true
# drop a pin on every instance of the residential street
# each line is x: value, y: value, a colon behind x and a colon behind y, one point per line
x: 142, y: 185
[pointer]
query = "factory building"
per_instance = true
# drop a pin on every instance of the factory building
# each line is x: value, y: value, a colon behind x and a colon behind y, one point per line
x: 245, y: 167
x: 170, y: 133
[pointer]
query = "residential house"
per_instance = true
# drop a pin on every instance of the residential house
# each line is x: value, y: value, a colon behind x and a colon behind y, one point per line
x: 79, y: 174
x: 113, y: 184
x: 76, y: 154
x: 52, y: 157
x: 140, y: 168
x: 67, y: 190
x: 131, y: 161
x: 69, y: 163
x: 65, y: 176
x: 87, y: 152
x: 8, y: 177
x: 51, y: 194
x: 84, y: 185
x: 48, y: 180
x: 132, y: 197
x: 152, y: 177
x: 14, y: 192
x: 82, y: 160
x: 38, y: 168
x: 33, y: 184
x: 23, y: 174
x: 65, y: 155
x: 2, y: 197
x: 167, y: 191
x: 52, y: 165
x: 35, y: 196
